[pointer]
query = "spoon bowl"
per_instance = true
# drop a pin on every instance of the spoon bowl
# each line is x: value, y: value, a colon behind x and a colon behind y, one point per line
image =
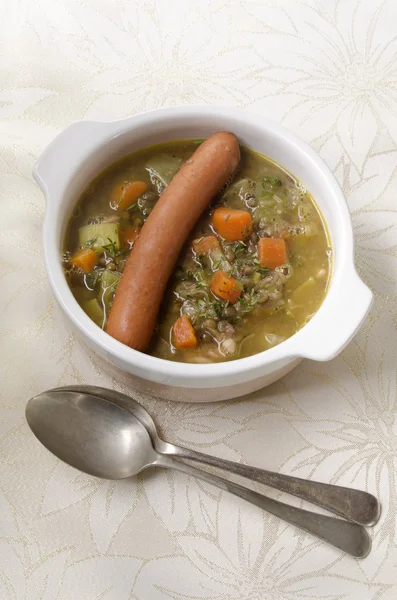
x: 90, y: 433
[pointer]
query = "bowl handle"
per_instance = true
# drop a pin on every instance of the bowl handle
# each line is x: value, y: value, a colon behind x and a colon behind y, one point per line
x: 71, y: 145
x: 340, y: 322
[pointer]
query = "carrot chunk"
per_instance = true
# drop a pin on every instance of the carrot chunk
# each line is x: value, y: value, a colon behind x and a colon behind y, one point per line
x: 232, y: 224
x: 225, y: 287
x: 126, y: 193
x: 272, y: 252
x: 129, y: 235
x: 183, y: 333
x: 206, y: 244
x: 85, y: 259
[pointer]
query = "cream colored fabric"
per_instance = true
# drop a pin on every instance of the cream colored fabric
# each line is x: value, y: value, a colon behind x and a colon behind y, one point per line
x: 326, y: 69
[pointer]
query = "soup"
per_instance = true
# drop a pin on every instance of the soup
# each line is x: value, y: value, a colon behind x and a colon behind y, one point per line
x: 254, y: 270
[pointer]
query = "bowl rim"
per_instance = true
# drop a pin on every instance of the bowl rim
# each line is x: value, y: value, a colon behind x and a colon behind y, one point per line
x: 159, y: 369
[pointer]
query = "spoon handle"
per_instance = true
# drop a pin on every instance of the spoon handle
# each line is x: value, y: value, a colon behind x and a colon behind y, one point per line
x: 348, y: 537
x: 354, y: 505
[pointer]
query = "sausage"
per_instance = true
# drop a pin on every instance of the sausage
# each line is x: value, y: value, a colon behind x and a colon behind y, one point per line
x: 132, y: 318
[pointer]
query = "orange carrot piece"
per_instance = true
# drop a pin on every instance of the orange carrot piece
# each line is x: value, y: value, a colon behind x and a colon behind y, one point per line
x: 272, y: 252
x: 232, y: 224
x: 183, y: 333
x: 128, y: 236
x: 125, y: 194
x: 225, y: 287
x: 206, y: 244
x: 85, y: 259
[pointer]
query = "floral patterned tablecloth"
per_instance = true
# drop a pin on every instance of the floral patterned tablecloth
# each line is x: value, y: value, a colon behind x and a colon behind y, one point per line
x: 327, y: 69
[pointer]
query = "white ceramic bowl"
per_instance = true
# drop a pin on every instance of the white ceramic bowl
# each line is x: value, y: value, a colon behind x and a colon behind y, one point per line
x: 80, y: 152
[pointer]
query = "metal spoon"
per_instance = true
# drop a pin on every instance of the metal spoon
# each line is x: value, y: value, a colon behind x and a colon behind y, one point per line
x: 354, y: 505
x: 111, y: 436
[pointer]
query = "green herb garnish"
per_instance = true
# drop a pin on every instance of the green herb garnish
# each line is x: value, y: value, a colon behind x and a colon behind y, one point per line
x: 200, y: 259
x: 247, y: 307
x: 90, y: 242
x: 246, y: 230
x: 110, y: 248
x: 273, y: 181
x: 217, y: 307
x: 238, y: 247
x: 262, y: 270
x: 122, y: 252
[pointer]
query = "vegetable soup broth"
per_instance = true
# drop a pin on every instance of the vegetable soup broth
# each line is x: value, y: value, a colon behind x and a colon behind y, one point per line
x: 273, y: 302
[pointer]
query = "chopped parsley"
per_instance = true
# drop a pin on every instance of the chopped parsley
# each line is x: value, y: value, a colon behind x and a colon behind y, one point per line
x: 217, y: 307
x: 273, y: 181
x: 110, y: 248
x: 90, y: 243
x: 262, y: 270
x: 122, y: 252
x: 249, y: 304
x: 247, y: 307
x: 246, y: 230
x: 200, y: 259
x: 197, y: 276
x: 208, y: 309
x: 238, y: 247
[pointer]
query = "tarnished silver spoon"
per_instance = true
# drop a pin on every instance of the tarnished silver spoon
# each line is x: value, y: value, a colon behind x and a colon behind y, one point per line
x: 107, y: 434
x: 354, y: 505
